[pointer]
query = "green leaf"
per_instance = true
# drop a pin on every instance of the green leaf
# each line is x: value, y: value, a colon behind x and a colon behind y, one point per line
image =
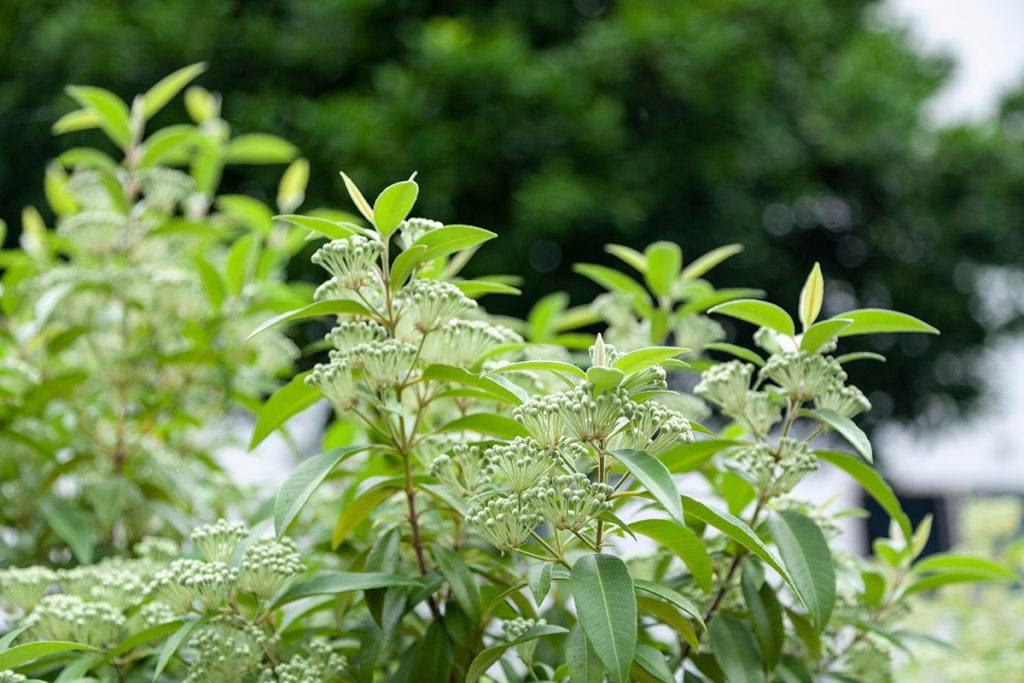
x: 672, y: 597
x: 286, y: 403
x: 687, y: 457
x: 452, y: 238
x: 709, y: 260
x: 664, y: 261
x: 956, y: 562
x: 605, y: 378
x: 141, y: 637
x: 110, y: 109
x: 872, y: 320
x: 806, y: 632
x: 169, y: 143
x: 811, y: 297
x: 314, y: 310
x: 356, y: 511
x: 759, y: 313
x: 434, y: 656
x: 300, y: 485
x: 80, y: 119
x: 766, y: 618
x: 20, y: 654
x: 641, y: 359
x: 738, y: 351
x: 457, y: 375
x: 792, y: 669
x: 860, y: 355
x: 555, y: 366
x: 613, y: 280
x: 543, y: 315
x: 169, y: 86
x: 583, y: 663
x: 241, y: 262
x: 477, y: 288
x: 629, y: 256
x: 260, y: 148
x: 669, y: 616
x: 327, y: 228
x: 806, y: 554
x: 872, y: 483
x: 736, y: 650
x: 605, y: 602
x: 71, y: 525
x: 332, y: 583
x: 845, y: 427
x: 818, y: 334
x: 684, y: 543
x: 737, y: 530
x: 173, y: 643
x: 650, y: 472
x: 538, y: 578
x: 460, y: 580
x: 357, y: 198
x: 393, y: 204
x: 405, y: 263
x: 488, y: 657
x: 291, y: 191
x: 486, y: 423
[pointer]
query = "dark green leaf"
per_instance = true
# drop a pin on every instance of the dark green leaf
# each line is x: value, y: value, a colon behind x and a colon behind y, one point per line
x: 653, y: 662
x: 300, y: 485
x: 684, y: 543
x: 766, y: 619
x: 287, y: 402
x: 173, y: 643
x: 872, y: 483
x: 583, y: 663
x: 461, y: 581
x: 331, y: 583
x: 650, y: 472
x: 486, y: 423
x: 71, y: 525
x: 488, y: 657
x: 845, y: 427
x: 451, y: 373
x: 434, y: 659
x: 603, y: 590
x: 538, y: 577
x: 736, y: 650
x: 672, y: 597
x: 806, y: 554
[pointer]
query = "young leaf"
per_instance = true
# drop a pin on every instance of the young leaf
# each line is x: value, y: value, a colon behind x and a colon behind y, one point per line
x: 815, y: 336
x: 738, y: 351
x: 650, y: 472
x: 641, y: 359
x: 475, y: 289
x: 357, y: 198
x: 555, y: 366
x: 314, y: 310
x: 80, y: 119
x: 664, y: 260
x: 872, y: 483
x: 393, y: 204
x: 452, y: 373
x: 806, y: 554
x: 331, y: 583
x: 461, y: 581
x: 300, y: 485
x: 110, y: 109
x: 736, y: 650
x: 486, y: 423
x: 603, y: 590
x: 405, y: 263
x: 811, y: 296
x: 684, y: 543
x: 654, y: 663
x: 605, y: 378
x: 872, y: 320
x: 629, y: 256
x: 845, y: 427
x: 260, y: 148
x: 766, y: 618
x: 759, y: 313
x: 286, y: 403
x: 169, y: 86
x: 709, y: 260
x: 71, y: 525
x: 291, y: 191
x: 356, y: 511
x: 452, y: 238
x: 581, y: 657
x: 173, y: 643
x: 488, y: 657
x: 955, y: 562
x: 613, y: 280
x: 20, y: 654
x: 327, y: 228
x: 538, y: 578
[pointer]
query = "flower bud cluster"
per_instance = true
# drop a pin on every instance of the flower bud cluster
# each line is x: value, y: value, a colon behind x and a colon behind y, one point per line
x: 384, y: 364
x: 726, y: 385
x: 648, y: 379
x: 70, y: 618
x: 503, y: 522
x: 653, y: 428
x: 696, y: 331
x: 227, y: 651
x: 848, y: 401
x: 164, y: 188
x: 570, y: 501
x: 521, y: 462
x: 411, y: 229
x: 350, y: 261
x: 115, y: 581
x: 218, y: 542
x: 23, y: 586
x: 431, y: 304
x: 156, y: 549
x: 335, y: 381
x: 464, y: 471
x: 466, y: 342
x: 320, y: 665
x: 541, y: 416
x: 8, y: 676
x: 348, y: 335
x: 775, y: 470
x: 590, y: 416
x: 762, y: 411
x: 268, y: 566
x: 514, y: 628
x: 184, y: 580
x: 803, y: 375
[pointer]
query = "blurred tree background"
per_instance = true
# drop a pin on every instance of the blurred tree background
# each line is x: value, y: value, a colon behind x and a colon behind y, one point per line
x: 792, y: 126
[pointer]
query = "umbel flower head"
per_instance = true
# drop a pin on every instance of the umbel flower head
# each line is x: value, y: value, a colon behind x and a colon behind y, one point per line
x: 848, y: 401
x: 726, y: 385
x: 210, y: 582
x: 431, y: 304
x: 118, y: 582
x: 570, y: 501
x: 592, y: 416
x: 803, y: 375
x: 466, y: 342
x: 8, y: 676
x: 70, y: 618
x: 335, y: 381
x: 503, y: 522
x: 648, y: 379
x: 384, y: 364
x: 348, y: 335
x: 156, y: 549
x: 411, y: 229
x: 522, y: 462
x: 226, y: 651
x: 320, y: 665
x: 762, y: 411
x: 654, y: 428
x: 23, y: 587
x: 268, y: 566
x: 217, y: 542
x: 776, y: 470
x: 464, y: 471
x: 541, y: 416
x: 350, y: 261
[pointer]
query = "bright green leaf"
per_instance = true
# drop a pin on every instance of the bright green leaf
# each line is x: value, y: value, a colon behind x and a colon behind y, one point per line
x: 759, y: 313
x: 811, y: 297
x: 393, y: 204
x: 605, y: 378
x: 843, y: 426
x: 486, y: 423
x: 452, y: 238
x: 872, y: 320
x: 664, y: 261
x: 314, y: 310
x: 285, y: 403
x: 20, y: 654
x: 331, y: 583
x: 405, y: 263
x: 111, y: 110
x: 709, y: 260
x: 629, y: 256
x: 488, y: 657
x: 169, y: 86
x: 641, y: 359
x: 873, y: 483
x: 260, y: 148
x: 356, y: 511
x: 655, y: 477
x: 538, y: 578
x: 818, y: 334
x: 296, y: 490
x: 684, y: 543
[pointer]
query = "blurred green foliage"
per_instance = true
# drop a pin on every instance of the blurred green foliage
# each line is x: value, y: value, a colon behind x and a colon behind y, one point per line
x: 792, y: 126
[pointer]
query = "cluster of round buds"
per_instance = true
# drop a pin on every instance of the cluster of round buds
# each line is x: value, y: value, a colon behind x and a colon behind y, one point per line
x: 541, y: 417
x: 8, y: 676
x: 154, y: 613
x: 386, y: 363
x: 320, y: 665
x: 763, y: 410
x: 431, y: 304
x: 514, y: 628
x: 654, y: 428
x: 70, y: 618
x: 210, y: 582
x: 268, y: 566
x: 466, y: 342
x: 218, y: 542
x: 803, y: 375
x: 88, y: 189
x: 726, y: 385
x: 590, y: 416
x: 167, y: 587
x: 773, y: 342
x: 570, y: 501
x: 648, y: 379
x: 348, y: 335
x: 350, y: 261
x: 776, y: 470
x: 93, y: 231
x: 464, y: 471
x: 23, y: 587
x: 164, y: 188
x: 696, y: 331
x: 156, y: 549
x: 226, y: 651
x: 848, y: 401
x: 503, y: 522
x: 522, y: 462
x: 411, y: 229
x: 601, y: 354
x: 114, y: 581
x: 335, y: 381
